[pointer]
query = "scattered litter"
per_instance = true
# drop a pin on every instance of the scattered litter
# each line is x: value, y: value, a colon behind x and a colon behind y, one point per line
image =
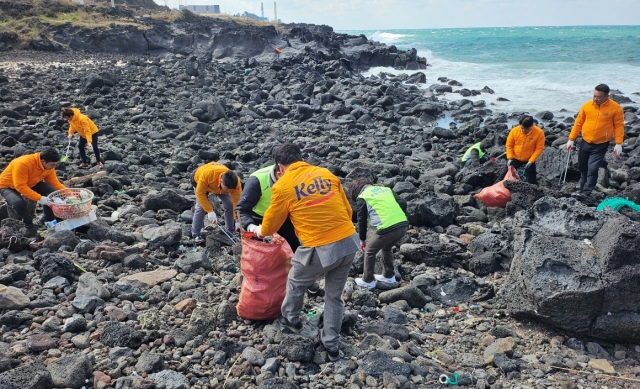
x: 444, y: 379
x: 79, y: 267
x: 616, y: 203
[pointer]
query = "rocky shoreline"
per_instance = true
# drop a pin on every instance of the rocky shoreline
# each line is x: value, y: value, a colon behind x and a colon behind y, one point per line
x: 128, y: 302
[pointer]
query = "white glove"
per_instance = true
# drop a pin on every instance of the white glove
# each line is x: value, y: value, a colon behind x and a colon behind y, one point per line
x: 569, y: 145
x: 213, y: 218
x: 617, y: 150
x: 44, y: 201
x: 257, y: 230
x: 70, y: 136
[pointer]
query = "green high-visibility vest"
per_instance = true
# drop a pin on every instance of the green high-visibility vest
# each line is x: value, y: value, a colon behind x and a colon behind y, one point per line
x: 264, y: 177
x: 384, y: 210
x: 467, y: 154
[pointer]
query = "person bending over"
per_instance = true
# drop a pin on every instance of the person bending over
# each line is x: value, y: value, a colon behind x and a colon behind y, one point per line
x: 220, y: 180
x: 315, y: 201
x: 377, y: 205
x: 524, y: 145
x: 88, y: 132
x: 31, y: 177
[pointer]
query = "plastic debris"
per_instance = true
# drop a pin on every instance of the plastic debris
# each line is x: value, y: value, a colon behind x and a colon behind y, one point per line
x: 444, y: 379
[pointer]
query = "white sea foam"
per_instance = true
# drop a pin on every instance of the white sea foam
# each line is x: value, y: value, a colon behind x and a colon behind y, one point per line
x: 529, y: 86
x: 386, y: 37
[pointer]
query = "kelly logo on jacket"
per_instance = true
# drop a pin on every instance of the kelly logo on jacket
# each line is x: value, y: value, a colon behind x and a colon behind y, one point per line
x: 318, y: 186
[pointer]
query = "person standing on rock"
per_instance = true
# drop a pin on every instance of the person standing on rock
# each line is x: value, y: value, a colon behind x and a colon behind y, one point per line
x: 377, y: 205
x: 32, y: 177
x: 220, y: 180
x: 598, y: 121
x: 88, y: 132
x: 254, y: 201
x: 524, y: 145
x: 476, y: 154
x: 315, y: 201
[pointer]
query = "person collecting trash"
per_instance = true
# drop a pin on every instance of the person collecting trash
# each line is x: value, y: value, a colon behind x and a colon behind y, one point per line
x: 476, y: 154
x: 32, y: 177
x: 225, y: 184
x: 254, y: 201
x: 524, y: 145
x: 599, y: 120
x: 377, y: 206
x: 88, y: 132
x: 315, y: 201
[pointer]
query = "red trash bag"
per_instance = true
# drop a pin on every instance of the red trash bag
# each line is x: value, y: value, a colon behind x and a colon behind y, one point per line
x: 265, y: 267
x: 497, y: 195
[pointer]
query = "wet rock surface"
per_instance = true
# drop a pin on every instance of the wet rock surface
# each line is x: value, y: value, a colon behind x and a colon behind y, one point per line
x: 500, y: 296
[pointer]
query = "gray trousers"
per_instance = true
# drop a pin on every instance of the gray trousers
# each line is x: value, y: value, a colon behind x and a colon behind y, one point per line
x: 199, y: 214
x: 305, y: 270
x: 384, y: 243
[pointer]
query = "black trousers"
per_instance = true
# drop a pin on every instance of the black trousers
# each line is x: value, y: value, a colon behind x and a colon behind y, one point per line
x: 530, y: 174
x: 590, y: 158
x: 96, y: 151
x: 286, y: 231
x: 19, y: 203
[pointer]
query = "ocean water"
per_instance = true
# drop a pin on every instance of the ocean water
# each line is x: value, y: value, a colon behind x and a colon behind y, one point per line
x: 535, y: 68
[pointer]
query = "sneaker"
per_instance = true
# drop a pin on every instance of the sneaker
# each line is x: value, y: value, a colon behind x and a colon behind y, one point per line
x: 370, y: 285
x: 83, y: 165
x: 381, y: 278
x: 582, y: 195
x: 294, y: 326
x: 315, y: 290
x: 99, y: 165
x: 334, y: 355
x: 198, y: 239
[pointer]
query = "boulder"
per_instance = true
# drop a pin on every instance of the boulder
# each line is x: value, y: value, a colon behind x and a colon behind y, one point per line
x: 12, y: 298
x: 430, y: 212
x: 32, y: 376
x: 89, y: 285
x: 52, y: 265
x: 57, y: 239
x: 70, y: 371
x: 162, y: 236
x: 115, y: 334
x: 577, y: 269
x: 166, y: 199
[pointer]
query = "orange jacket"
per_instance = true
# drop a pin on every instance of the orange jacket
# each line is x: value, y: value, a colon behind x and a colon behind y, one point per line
x: 599, y: 123
x: 316, y: 203
x: 207, y: 178
x: 25, y: 172
x: 525, y: 148
x: 82, y: 124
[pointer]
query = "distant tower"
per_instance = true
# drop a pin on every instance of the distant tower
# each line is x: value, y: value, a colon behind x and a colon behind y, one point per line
x: 275, y: 12
x: 262, y: 9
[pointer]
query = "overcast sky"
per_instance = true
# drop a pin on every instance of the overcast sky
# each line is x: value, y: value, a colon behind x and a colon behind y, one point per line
x: 410, y: 14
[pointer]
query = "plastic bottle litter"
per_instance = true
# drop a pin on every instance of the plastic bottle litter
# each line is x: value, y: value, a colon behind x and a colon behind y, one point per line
x: 51, y: 224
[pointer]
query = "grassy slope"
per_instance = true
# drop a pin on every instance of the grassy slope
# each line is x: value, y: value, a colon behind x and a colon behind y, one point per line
x: 25, y: 20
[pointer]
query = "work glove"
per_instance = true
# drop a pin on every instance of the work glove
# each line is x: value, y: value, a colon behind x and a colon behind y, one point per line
x: 236, y: 226
x: 89, y: 147
x: 527, y: 166
x: 509, y: 162
x: 570, y: 145
x: 213, y: 218
x: 617, y: 150
x: 70, y: 136
x: 44, y: 201
x: 257, y: 230
x: 363, y: 245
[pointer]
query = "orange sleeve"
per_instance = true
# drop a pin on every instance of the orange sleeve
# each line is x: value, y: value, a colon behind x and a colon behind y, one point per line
x: 201, y: 196
x: 276, y: 214
x: 511, y: 141
x: 20, y: 177
x: 577, y: 126
x: 539, y: 147
x: 618, y: 126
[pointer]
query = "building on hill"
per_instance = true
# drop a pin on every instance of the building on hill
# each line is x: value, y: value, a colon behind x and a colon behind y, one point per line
x: 202, y: 9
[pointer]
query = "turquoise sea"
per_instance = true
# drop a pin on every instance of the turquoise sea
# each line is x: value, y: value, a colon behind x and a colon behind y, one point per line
x: 536, y: 68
